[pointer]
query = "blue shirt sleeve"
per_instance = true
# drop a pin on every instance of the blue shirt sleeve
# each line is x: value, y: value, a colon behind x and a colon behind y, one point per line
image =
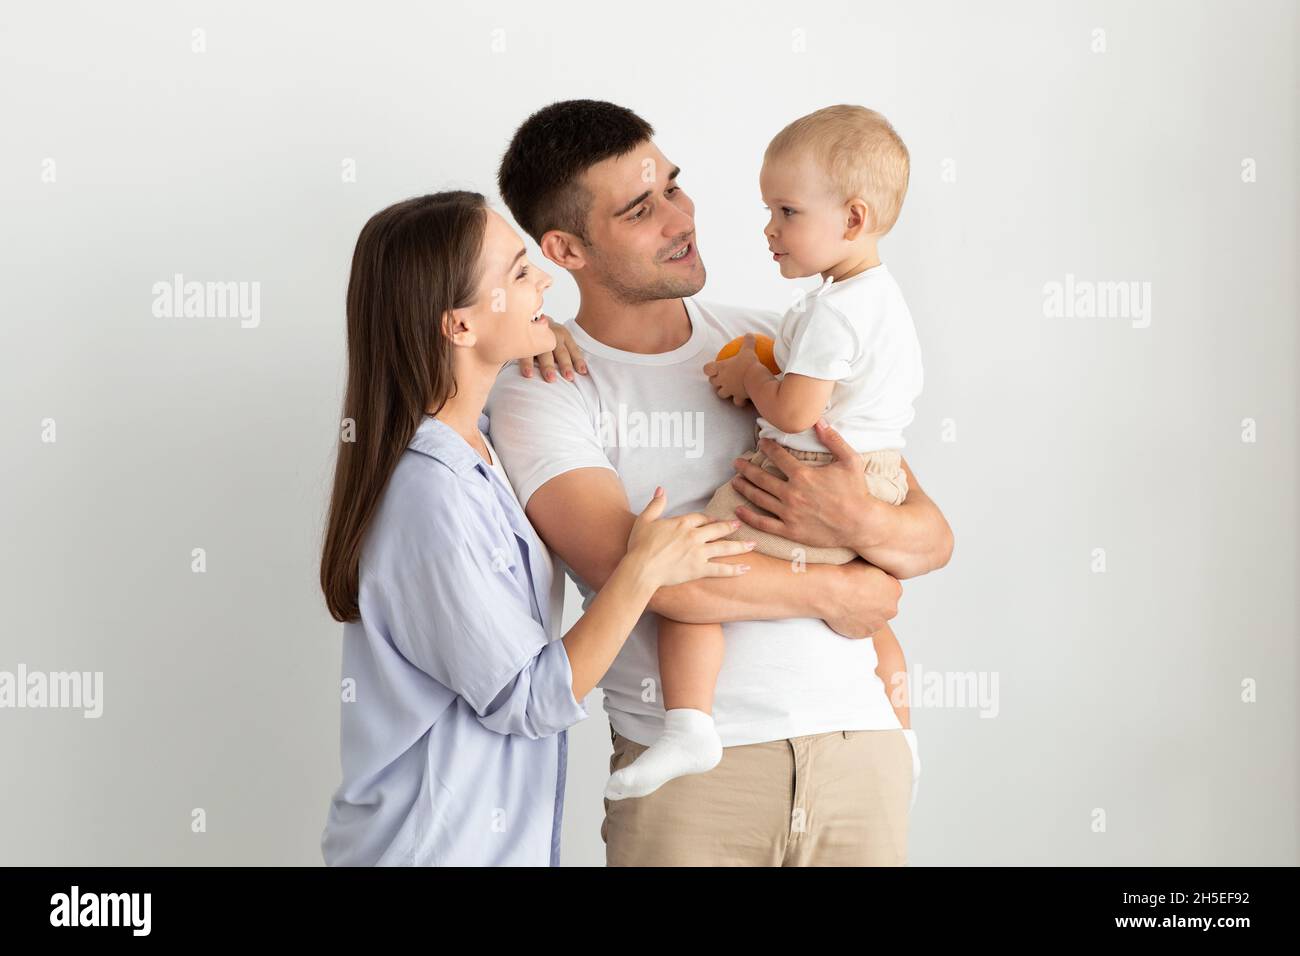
x: 452, y: 594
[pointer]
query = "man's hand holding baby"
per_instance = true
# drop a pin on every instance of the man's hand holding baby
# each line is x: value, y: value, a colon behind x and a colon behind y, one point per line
x: 819, y: 506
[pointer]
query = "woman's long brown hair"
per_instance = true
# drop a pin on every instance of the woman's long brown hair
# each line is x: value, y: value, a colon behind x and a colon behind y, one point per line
x: 414, y: 262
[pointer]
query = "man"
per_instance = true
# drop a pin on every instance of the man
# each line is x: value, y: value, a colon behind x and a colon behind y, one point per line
x: 815, y: 770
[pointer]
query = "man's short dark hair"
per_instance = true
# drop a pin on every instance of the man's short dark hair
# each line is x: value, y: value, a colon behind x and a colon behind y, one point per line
x: 538, y: 177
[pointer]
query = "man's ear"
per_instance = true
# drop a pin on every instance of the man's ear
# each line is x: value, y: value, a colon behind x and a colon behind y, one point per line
x: 860, y: 218
x: 456, y: 328
x: 564, y: 249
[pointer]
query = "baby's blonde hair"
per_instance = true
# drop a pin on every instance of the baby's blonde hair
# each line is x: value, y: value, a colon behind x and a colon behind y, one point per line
x: 860, y: 152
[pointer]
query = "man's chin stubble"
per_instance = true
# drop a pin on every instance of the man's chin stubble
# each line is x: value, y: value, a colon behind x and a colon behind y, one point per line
x: 655, y: 291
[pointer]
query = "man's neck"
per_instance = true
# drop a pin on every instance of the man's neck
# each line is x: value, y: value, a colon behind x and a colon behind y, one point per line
x: 647, y: 328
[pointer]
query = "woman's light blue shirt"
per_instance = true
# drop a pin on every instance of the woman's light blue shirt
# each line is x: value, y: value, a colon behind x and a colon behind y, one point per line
x: 454, y: 748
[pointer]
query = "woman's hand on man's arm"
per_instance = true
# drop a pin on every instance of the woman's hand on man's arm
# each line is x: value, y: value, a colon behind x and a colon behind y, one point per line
x: 829, y: 506
x: 583, y: 516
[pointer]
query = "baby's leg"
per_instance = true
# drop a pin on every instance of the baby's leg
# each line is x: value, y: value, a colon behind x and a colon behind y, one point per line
x: 891, y: 668
x: 690, y: 656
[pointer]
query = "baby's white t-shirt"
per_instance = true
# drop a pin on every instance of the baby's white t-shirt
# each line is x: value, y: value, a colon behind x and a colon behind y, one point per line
x: 857, y: 333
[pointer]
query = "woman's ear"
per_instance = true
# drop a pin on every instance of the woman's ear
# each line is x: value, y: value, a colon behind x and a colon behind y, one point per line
x: 456, y: 327
x: 859, y: 220
x: 564, y: 249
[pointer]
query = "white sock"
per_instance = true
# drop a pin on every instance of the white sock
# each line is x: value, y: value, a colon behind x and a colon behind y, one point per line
x: 689, y: 744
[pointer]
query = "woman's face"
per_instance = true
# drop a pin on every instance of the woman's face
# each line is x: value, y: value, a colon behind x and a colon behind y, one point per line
x: 506, y: 320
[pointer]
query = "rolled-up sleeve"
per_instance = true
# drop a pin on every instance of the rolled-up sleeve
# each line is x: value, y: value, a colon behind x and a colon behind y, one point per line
x: 539, y: 702
x: 444, y: 589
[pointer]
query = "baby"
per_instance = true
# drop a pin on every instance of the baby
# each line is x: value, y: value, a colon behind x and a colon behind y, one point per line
x: 834, y: 183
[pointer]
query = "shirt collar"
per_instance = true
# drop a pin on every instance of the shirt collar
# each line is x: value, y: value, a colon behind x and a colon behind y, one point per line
x: 440, y: 441
x: 830, y: 280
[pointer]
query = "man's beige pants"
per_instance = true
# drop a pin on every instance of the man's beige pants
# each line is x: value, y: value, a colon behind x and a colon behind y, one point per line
x: 833, y: 799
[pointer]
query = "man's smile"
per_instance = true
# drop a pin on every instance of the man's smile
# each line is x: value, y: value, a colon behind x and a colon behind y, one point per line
x: 686, y: 253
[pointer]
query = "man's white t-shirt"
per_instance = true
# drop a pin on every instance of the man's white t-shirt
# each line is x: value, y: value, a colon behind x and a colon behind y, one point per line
x: 857, y: 333
x: 655, y: 420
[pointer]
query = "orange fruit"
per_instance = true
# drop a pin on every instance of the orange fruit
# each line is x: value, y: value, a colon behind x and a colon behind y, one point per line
x: 762, y: 347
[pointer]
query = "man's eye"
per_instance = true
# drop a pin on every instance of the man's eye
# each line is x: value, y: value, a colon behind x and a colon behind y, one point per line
x: 673, y: 189
x: 639, y: 213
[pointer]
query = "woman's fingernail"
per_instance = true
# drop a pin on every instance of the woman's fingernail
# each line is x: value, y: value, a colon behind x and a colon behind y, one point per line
x: 735, y: 522
x: 744, y: 568
x: 751, y: 544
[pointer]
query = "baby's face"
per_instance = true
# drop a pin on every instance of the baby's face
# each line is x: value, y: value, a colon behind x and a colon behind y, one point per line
x: 806, y: 222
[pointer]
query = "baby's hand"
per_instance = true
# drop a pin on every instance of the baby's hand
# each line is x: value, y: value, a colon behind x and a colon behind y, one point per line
x: 728, y: 376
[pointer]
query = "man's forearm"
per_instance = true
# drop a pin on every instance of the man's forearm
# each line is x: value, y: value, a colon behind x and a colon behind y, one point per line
x: 583, y: 517
x: 906, y: 540
x: 770, y: 590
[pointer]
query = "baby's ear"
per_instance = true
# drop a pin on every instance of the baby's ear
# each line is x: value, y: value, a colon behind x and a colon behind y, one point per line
x: 860, y: 218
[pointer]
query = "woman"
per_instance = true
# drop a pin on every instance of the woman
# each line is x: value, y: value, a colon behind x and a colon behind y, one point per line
x: 456, y: 696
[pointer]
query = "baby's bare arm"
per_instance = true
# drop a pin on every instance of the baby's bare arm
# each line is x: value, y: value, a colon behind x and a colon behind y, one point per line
x: 792, y: 403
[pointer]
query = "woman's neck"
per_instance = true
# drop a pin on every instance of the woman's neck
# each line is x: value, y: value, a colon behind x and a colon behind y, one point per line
x: 462, y: 410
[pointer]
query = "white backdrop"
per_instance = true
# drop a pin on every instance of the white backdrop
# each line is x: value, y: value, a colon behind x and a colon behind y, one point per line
x: 1123, y: 486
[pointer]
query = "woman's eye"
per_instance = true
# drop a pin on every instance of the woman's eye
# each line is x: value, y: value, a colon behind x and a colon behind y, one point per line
x: 522, y: 272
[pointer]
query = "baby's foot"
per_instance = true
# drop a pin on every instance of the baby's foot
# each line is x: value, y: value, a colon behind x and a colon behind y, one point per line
x: 689, y: 744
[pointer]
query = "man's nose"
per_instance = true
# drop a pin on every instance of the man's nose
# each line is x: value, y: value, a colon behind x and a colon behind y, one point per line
x: 677, y: 222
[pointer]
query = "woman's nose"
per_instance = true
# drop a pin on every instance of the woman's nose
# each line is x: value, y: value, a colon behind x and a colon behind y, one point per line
x: 546, y: 280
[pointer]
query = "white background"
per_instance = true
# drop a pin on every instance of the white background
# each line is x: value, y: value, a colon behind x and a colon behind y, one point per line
x: 1118, y: 691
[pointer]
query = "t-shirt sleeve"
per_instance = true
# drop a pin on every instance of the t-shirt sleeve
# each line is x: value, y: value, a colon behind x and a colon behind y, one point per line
x: 824, y: 344
x: 542, y: 429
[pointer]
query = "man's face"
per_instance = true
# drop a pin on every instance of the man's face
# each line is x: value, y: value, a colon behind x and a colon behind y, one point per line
x: 641, y: 228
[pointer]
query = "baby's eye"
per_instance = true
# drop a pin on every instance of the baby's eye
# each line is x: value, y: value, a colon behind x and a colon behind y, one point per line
x: 787, y: 211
